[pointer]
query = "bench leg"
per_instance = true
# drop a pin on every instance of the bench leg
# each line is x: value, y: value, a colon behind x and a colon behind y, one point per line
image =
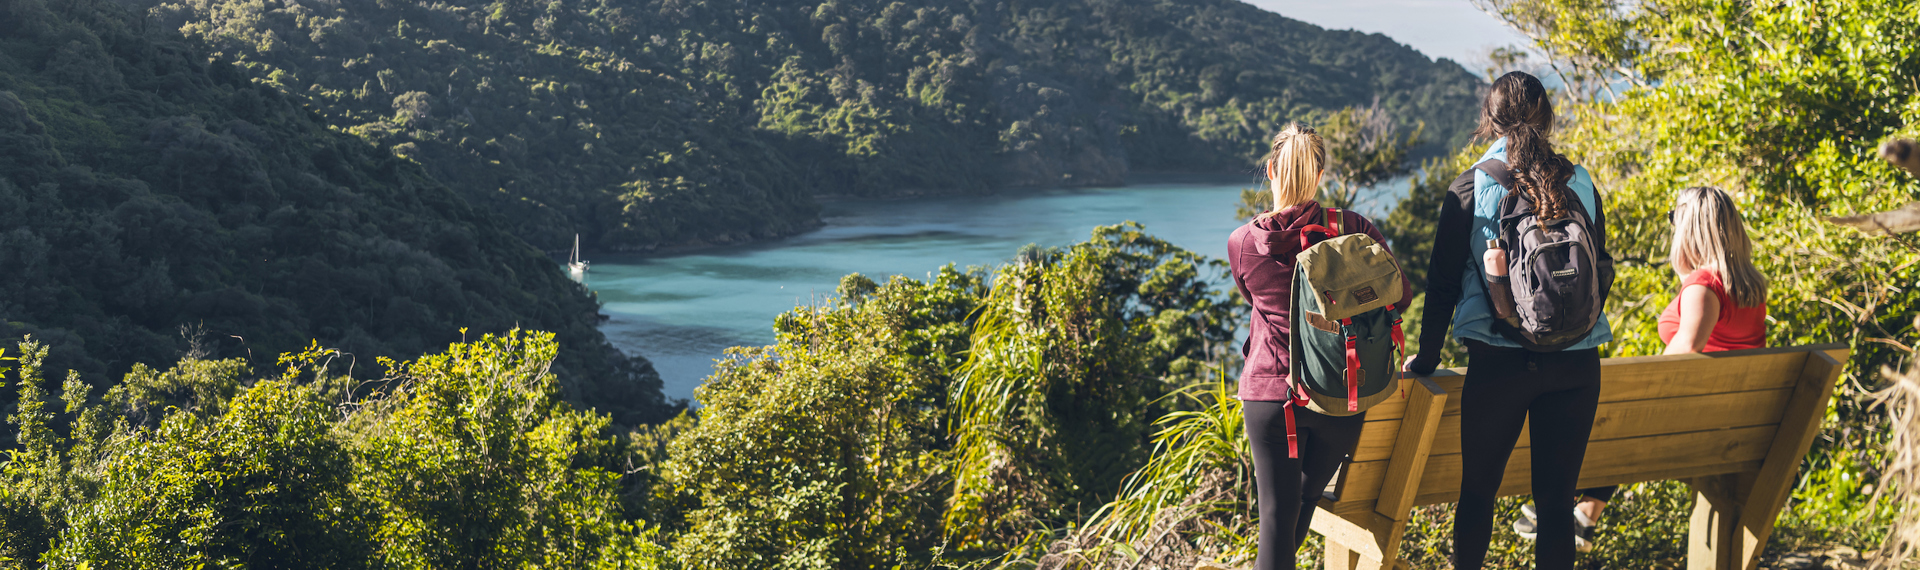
x: 1341, y: 558
x: 1714, y: 540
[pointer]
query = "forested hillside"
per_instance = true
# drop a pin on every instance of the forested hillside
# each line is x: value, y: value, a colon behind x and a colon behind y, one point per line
x: 155, y: 204
x: 1068, y: 409
x: 640, y: 123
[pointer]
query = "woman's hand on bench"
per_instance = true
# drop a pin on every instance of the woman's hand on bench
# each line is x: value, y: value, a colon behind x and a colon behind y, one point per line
x: 1421, y: 367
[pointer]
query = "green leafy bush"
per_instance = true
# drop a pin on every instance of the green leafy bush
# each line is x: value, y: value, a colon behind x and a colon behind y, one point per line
x: 826, y: 449
x: 863, y: 437
x: 463, y: 458
x: 1070, y: 356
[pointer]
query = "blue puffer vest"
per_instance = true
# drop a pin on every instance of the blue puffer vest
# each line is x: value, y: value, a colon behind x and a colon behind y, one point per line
x: 1472, y: 318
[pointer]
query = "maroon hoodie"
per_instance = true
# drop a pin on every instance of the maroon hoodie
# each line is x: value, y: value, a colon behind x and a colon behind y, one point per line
x: 1261, y: 254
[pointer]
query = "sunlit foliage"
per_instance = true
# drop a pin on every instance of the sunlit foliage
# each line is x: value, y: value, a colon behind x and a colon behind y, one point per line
x: 827, y: 449
x: 464, y: 458
x: 1071, y: 354
x: 945, y: 420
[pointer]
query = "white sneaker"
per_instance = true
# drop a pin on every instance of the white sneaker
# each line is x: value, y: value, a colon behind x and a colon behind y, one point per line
x: 1527, y: 526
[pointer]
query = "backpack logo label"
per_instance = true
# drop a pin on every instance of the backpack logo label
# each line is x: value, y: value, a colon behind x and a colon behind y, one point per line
x: 1365, y: 295
x: 1565, y: 272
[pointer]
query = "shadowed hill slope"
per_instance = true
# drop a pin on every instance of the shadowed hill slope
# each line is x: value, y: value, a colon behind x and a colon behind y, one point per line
x: 642, y: 123
x: 153, y: 204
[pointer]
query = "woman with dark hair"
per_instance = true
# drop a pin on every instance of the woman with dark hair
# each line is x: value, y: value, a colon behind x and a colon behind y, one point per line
x: 1506, y: 381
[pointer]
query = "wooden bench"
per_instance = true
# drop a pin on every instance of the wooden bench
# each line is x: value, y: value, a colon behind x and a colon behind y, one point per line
x: 1734, y: 425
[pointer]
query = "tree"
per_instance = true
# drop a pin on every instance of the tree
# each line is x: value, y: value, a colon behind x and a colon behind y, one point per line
x: 828, y: 448
x: 1365, y: 147
x: 154, y: 187
x: 461, y: 458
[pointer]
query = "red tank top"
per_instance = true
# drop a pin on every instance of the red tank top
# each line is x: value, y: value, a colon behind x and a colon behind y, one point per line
x: 1738, y: 327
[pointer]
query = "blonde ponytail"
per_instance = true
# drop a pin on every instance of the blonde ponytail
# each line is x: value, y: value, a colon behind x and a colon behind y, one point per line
x: 1709, y: 234
x: 1293, y: 166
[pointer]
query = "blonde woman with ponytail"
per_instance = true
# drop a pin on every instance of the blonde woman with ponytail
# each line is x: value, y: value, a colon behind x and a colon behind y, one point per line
x: 1261, y: 254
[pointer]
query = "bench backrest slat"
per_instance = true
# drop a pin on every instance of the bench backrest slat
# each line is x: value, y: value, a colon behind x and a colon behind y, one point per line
x: 1646, y: 377
x: 1617, y: 420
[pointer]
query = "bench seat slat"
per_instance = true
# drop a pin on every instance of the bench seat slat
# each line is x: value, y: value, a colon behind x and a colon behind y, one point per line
x: 1616, y: 461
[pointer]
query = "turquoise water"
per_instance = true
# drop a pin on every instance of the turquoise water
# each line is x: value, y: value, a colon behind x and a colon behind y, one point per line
x: 683, y: 311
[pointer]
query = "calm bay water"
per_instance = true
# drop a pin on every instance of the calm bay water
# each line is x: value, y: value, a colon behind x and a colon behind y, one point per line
x: 683, y: 311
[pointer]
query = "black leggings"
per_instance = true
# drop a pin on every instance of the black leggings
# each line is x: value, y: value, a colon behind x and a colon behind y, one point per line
x: 1504, y: 386
x: 1602, y: 494
x: 1290, y: 488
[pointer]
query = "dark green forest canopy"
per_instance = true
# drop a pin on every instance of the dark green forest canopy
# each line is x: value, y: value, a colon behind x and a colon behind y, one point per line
x: 154, y: 204
x: 641, y: 123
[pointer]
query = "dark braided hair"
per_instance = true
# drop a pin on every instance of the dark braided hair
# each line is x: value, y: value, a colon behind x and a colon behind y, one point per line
x: 1520, y: 109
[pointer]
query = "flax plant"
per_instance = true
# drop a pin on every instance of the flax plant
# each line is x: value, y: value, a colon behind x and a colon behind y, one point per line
x: 1070, y: 359
x: 1048, y: 358
x: 1191, y: 502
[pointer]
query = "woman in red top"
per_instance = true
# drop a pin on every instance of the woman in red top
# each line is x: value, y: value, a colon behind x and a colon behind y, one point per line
x: 1723, y: 299
x: 1722, y: 304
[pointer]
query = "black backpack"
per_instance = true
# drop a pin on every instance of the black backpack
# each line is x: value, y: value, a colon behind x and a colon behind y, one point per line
x: 1553, y: 266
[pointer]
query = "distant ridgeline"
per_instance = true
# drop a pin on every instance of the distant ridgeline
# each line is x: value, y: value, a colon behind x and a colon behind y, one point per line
x: 646, y: 123
x: 153, y: 204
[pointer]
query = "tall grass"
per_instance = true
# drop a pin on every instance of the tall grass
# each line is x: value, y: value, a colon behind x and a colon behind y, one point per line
x: 1900, y: 479
x: 1192, y: 502
x: 1003, y: 375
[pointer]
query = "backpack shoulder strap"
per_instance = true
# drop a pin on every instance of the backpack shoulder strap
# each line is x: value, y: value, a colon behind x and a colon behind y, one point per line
x: 1334, y: 218
x: 1586, y: 198
x: 1498, y: 170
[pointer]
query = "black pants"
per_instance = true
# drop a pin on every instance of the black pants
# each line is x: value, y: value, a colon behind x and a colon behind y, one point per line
x: 1602, y: 494
x: 1290, y: 488
x: 1504, y: 386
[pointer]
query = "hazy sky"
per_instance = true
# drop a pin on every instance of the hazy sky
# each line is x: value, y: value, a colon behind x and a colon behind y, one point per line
x: 1451, y: 29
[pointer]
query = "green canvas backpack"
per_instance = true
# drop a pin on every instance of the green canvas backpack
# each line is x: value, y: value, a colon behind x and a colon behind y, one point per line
x: 1347, y: 292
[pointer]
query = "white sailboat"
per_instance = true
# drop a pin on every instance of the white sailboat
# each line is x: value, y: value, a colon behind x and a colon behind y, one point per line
x: 575, y: 264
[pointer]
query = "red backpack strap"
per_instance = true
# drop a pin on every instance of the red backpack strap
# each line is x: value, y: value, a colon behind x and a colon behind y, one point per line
x: 1296, y: 396
x: 1399, y: 337
x: 1293, y: 440
x: 1306, y: 242
x: 1353, y: 365
x: 1330, y: 226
